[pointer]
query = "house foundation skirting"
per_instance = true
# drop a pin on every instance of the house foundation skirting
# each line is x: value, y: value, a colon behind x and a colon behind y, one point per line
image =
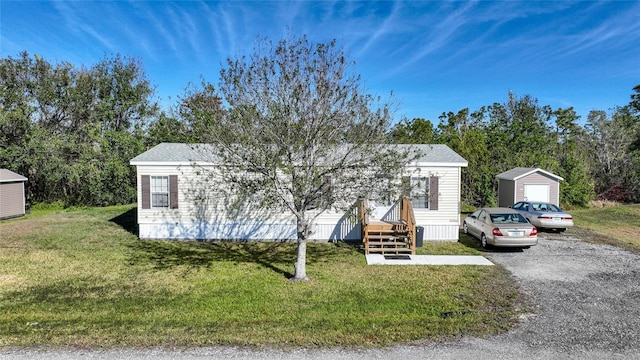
x: 219, y: 231
x: 257, y: 231
x: 441, y: 232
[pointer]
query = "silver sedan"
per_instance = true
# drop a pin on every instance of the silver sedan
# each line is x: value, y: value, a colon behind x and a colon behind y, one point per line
x: 544, y: 215
x: 500, y: 227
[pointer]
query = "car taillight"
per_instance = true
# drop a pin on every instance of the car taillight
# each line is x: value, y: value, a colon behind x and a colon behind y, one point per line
x: 496, y: 232
x: 567, y: 218
x: 545, y: 217
x: 533, y: 232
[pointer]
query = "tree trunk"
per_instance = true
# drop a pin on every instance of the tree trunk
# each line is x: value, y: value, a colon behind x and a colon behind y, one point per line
x: 301, y: 259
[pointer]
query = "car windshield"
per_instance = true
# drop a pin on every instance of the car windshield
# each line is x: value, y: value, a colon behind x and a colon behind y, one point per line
x: 508, y: 219
x: 545, y: 207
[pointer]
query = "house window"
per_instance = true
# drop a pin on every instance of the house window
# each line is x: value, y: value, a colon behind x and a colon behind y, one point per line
x: 420, y: 192
x: 160, y: 191
x: 326, y: 189
x: 323, y: 196
x: 423, y: 191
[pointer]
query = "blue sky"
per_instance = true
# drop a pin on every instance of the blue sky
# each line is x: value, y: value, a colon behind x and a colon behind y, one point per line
x: 435, y: 56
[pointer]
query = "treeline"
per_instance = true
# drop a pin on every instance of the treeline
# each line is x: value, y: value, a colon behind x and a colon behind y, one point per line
x: 598, y: 158
x: 72, y: 131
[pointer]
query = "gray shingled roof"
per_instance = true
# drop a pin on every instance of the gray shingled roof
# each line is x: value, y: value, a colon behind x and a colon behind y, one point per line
x: 10, y: 176
x: 437, y: 153
x: 181, y: 153
x: 517, y: 173
x: 171, y: 152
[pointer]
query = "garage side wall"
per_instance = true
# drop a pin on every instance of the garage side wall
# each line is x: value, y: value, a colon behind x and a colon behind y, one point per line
x: 11, y: 200
x: 506, y: 192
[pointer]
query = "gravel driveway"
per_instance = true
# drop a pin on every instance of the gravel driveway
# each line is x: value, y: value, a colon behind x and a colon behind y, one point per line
x: 588, y: 307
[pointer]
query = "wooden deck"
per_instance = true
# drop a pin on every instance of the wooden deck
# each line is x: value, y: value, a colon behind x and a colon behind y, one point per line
x: 390, y: 237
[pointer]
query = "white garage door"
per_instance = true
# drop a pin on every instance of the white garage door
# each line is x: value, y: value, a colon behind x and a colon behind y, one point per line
x: 536, y: 192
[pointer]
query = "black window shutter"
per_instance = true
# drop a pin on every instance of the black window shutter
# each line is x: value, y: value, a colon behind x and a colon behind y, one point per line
x: 146, y: 191
x: 433, y: 192
x: 173, y: 191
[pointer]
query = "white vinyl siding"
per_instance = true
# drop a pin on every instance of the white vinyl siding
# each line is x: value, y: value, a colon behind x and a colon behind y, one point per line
x: 205, y: 212
x: 199, y: 200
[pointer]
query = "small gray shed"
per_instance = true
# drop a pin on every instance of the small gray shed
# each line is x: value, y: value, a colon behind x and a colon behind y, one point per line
x: 528, y: 184
x: 12, y: 200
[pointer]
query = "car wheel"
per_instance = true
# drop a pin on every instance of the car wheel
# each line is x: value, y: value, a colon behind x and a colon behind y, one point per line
x: 483, y: 241
x: 464, y: 228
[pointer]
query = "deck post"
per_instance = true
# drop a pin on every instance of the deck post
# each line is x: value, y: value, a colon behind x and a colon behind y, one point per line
x: 364, y: 223
x: 408, y: 217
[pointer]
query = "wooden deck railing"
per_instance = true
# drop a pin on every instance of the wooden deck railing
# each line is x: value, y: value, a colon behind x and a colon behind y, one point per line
x: 404, y: 220
x: 407, y: 216
x: 364, y: 221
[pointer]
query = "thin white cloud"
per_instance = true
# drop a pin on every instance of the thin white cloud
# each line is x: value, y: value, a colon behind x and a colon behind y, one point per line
x: 402, y: 45
x: 190, y: 31
x: 607, y: 32
x: 161, y: 35
x: 385, y: 27
x: 81, y: 24
x: 588, y: 35
x: 175, y: 32
x: 220, y: 24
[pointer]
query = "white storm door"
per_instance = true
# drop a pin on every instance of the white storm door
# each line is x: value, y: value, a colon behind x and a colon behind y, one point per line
x: 536, y: 192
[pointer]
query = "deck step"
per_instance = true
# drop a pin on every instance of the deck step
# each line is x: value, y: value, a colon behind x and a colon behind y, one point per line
x: 385, y: 237
x: 388, y: 237
x: 389, y: 233
x: 390, y: 243
x: 390, y: 250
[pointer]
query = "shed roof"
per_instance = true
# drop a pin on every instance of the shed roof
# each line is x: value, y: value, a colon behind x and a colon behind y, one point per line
x: 520, y: 172
x: 10, y: 176
x: 166, y: 153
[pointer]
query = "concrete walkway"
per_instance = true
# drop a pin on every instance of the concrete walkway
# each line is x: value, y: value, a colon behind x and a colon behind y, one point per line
x: 378, y: 259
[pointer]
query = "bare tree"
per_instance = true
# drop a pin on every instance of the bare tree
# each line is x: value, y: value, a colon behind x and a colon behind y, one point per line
x: 609, y: 140
x: 301, y: 135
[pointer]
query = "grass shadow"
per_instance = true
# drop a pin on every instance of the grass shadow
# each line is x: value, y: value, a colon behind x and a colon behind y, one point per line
x: 274, y: 256
x: 469, y: 241
x: 352, y: 245
x: 128, y: 220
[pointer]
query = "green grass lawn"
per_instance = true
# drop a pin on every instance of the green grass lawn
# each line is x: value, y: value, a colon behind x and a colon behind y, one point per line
x: 82, y: 278
x: 620, y: 225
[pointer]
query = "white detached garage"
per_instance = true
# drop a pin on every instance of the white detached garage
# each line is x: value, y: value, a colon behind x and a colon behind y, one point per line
x: 528, y: 184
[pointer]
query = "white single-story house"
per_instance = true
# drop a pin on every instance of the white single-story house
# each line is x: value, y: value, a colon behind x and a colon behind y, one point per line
x: 176, y: 200
x: 12, y: 199
x: 528, y: 184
